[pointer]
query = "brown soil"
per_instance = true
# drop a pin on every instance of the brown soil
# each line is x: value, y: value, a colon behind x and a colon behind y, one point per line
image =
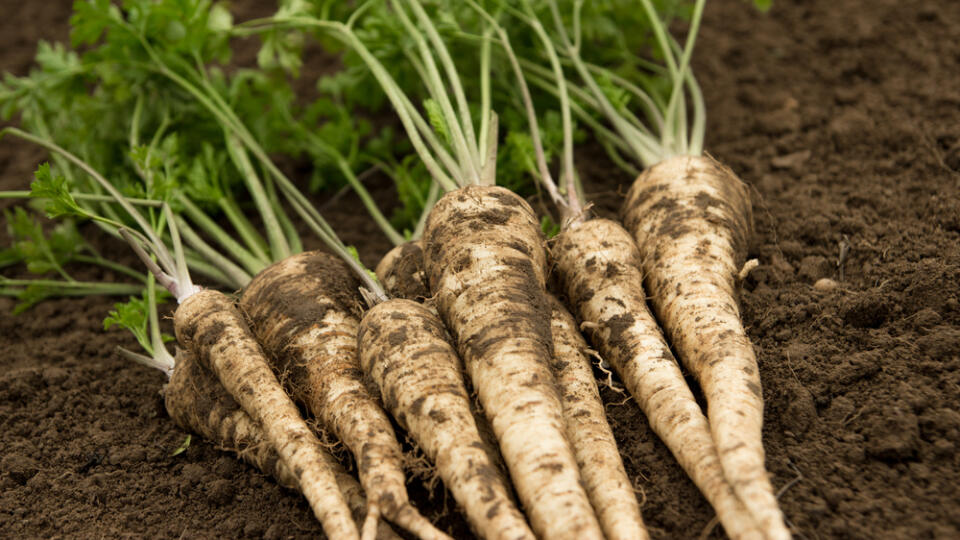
x: 844, y: 115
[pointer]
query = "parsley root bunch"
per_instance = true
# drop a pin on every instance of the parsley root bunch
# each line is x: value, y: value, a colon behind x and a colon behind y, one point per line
x: 304, y: 310
x: 197, y: 402
x: 599, y: 268
x: 213, y: 330
x: 690, y: 218
x: 485, y: 264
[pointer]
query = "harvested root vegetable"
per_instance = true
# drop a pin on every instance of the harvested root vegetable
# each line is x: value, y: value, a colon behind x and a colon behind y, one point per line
x: 209, y: 325
x: 304, y: 311
x: 198, y: 403
x: 598, y: 266
x: 403, y: 277
x: 485, y: 262
x: 406, y: 351
x: 601, y: 467
x: 691, y: 218
x: 604, y: 284
x: 212, y: 329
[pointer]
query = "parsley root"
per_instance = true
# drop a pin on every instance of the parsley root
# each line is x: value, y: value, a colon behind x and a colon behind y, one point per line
x: 601, y: 467
x: 406, y: 350
x: 210, y: 326
x: 197, y: 402
x: 691, y: 218
x: 604, y: 284
x: 304, y: 310
x: 485, y: 262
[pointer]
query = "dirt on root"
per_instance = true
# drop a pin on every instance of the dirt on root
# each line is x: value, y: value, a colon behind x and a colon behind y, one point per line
x: 843, y: 116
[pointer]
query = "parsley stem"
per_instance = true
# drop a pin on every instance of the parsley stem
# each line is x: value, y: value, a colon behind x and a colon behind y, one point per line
x: 279, y: 246
x: 93, y: 197
x: 106, y: 263
x: 236, y: 250
x: 237, y: 277
x: 246, y: 230
x: 53, y: 287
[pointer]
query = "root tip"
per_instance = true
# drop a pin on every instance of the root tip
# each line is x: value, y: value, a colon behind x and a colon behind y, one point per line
x: 369, y: 531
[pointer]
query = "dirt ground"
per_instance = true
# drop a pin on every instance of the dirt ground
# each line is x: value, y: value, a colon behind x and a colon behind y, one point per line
x: 844, y: 116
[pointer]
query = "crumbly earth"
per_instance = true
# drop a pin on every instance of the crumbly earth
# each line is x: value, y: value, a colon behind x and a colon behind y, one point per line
x: 843, y: 116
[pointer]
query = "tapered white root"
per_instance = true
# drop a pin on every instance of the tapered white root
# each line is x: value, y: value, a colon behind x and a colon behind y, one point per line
x: 691, y: 218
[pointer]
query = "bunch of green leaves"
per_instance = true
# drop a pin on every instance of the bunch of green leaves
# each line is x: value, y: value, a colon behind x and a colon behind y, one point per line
x: 47, y: 254
x: 153, y: 67
x: 95, y: 106
x: 41, y: 252
x: 127, y: 106
x: 149, y: 110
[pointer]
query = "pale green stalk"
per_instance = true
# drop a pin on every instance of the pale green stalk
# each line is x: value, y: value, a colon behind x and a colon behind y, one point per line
x: 614, y: 154
x: 468, y: 167
x: 645, y: 143
x: 649, y: 106
x: 343, y: 165
x: 24, y: 194
x: 441, y: 50
x: 368, y: 202
x: 200, y: 266
x: 251, y: 237
x: 637, y: 140
x: 222, y: 112
x: 408, y: 114
x: 279, y: 247
x: 13, y: 287
x: 252, y: 264
x: 604, y: 134
x: 569, y: 184
x: 160, y: 358
x: 116, y: 267
x: 289, y: 229
x: 696, y: 96
x: 237, y: 277
x: 425, y: 130
x: 484, y: 91
x: 663, y: 40
x: 577, y: 35
x: 141, y: 222
x: 432, y: 197
x: 64, y: 167
x: 544, y: 170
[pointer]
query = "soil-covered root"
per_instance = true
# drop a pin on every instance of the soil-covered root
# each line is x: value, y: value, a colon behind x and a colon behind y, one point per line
x: 198, y: 403
x: 691, y: 218
x: 601, y: 467
x: 304, y: 311
x: 403, y: 277
x: 209, y: 325
x: 406, y: 351
x: 485, y: 263
x: 598, y: 266
x: 401, y: 272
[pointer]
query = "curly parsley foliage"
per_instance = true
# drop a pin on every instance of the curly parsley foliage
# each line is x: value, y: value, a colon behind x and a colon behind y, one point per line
x: 134, y: 315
